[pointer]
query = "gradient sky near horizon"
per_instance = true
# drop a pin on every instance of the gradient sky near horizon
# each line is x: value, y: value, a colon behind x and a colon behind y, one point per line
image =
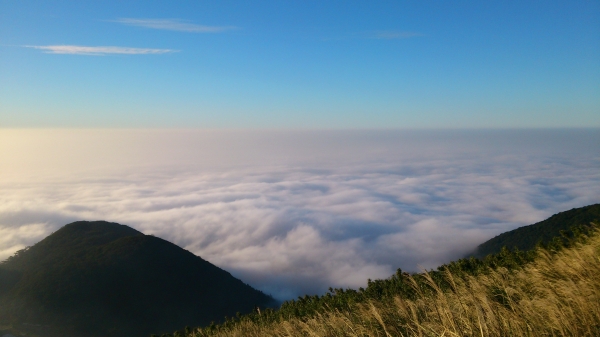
x: 300, y: 64
x: 293, y: 212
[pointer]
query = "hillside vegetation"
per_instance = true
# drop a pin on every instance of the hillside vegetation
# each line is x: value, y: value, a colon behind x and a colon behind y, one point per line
x: 526, y: 237
x: 105, y: 279
x: 553, y: 290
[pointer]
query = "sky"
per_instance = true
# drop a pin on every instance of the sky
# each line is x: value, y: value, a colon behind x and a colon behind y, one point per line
x: 299, y: 64
x: 299, y: 145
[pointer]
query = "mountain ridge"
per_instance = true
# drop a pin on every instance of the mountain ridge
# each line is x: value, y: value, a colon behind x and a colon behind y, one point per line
x: 527, y: 237
x: 105, y: 279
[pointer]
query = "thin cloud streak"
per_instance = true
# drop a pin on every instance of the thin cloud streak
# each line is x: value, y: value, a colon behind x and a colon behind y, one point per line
x: 174, y: 25
x: 100, y: 50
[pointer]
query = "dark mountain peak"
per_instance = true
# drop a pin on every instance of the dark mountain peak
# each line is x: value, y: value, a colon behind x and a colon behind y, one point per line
x: 71, y: 242
x: 100, y: 225
x: 97, y: 278
x: 92, y: 232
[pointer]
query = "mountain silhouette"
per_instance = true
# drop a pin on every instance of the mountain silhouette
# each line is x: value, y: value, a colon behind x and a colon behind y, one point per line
x: 105, y: 279
x: 526, y: 237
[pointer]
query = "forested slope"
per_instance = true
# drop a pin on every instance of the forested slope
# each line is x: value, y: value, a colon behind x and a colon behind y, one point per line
x: 404, y: 301
x: 526, y: 237
x: 105, y: 279
x: 555, y: 294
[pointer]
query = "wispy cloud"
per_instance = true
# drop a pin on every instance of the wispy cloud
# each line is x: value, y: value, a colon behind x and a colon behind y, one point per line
x: 294, y: 213
x: 100, y: 50
x: 173, y: 24
x: 391, y: 35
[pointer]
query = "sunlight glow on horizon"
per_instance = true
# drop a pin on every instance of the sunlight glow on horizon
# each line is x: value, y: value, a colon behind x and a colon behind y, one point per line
x: 295, y: 212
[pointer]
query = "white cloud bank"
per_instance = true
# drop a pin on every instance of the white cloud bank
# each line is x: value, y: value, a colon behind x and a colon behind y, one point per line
x: 174, y: 25
x: 100, y: 50
x: 296, y: 212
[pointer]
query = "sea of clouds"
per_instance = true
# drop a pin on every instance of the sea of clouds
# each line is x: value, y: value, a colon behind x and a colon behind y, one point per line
x: 295, y: 212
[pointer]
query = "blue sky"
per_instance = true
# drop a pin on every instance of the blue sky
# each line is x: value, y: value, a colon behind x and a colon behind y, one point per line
x: 300, y: 64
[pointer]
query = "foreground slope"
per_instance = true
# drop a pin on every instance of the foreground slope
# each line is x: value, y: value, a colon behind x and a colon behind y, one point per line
x: 557, y: 293
x: 105, y: 279
x: 553, y: 289
x: 526, y: 237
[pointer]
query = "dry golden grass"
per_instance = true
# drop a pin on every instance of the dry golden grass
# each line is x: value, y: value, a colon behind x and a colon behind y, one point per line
x: 557, y: 295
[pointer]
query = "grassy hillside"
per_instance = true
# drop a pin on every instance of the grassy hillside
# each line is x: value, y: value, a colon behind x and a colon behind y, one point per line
x: 106, y: 279
x: 553, y: 289
x: 556, y: 294
x: 526, y: 237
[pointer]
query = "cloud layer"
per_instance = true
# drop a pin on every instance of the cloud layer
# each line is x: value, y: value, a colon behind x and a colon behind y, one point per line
x: 296, y: 212
x: 174, y: 25
x: 100, y: 50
